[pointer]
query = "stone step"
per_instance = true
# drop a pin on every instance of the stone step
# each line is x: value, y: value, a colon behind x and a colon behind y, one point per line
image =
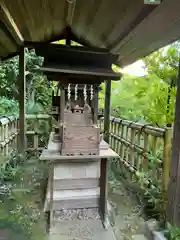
x: 67, y: 184
x: 77, y: 170
x: 78, y: 198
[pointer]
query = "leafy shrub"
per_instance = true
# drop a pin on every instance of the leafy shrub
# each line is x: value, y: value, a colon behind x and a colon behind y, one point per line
x: 8, y: 107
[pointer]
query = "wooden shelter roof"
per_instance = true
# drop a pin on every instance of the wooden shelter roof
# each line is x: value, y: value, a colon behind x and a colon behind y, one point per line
x: 128, y: 28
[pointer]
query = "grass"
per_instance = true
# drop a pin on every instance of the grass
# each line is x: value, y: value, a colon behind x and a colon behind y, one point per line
x: 21, y: 204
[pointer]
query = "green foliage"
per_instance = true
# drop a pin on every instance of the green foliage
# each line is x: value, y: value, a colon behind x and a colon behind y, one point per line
x: 174, y: 232
x: 8, y: 107
x: 149, y: 99
x: 19, y: 210
x: 37, y: 86
x: 8, y: 77
x: 164, y: 63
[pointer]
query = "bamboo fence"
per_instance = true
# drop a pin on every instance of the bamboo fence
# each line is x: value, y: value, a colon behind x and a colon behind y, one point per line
x: 144, y: 150
x: 38, y: 128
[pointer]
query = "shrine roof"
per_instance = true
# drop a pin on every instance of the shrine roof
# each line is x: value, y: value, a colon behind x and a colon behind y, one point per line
x: 128, y: 28
x: 81, y: 72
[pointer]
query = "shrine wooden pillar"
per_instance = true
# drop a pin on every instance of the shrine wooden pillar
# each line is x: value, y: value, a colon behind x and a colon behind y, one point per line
x: 104, y: 161
x: 62, y: 104
x: 173, y: 209
x: 107, y: 110
x: 96, y: 105
x: 22, y: 97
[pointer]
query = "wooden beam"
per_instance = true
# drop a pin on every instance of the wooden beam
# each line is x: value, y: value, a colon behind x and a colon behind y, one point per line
x: 10, y: 41
x: 22, y: 95
x: 11, y: 55
x: 107, y: 110
x: 70, y: 12
x: 11, y: 25
x: 146, y: 10
x: 73, y: 37
x: 173, y: 209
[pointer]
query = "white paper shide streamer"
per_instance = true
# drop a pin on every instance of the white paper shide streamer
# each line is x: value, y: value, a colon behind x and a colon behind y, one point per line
x: 85, y: 93
x: 76, y: 92
x: 69, y: 91
x: 91, y: 92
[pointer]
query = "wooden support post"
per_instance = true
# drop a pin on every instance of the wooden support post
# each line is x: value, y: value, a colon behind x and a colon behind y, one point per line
x: 68, y: 36
x: 107, y: 111
x: 62, y: 104
x: 103, y: 190
x: 22, y: 95
x: 173, y: 209
x: 62, y: 107
x: 96, y: 105
x: 51, y: 210
x: 167, y: 156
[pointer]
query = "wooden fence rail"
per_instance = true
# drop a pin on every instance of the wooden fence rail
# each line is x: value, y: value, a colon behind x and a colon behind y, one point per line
x: 144, y: 150
x: 38, y: 128
x: 8, y: 134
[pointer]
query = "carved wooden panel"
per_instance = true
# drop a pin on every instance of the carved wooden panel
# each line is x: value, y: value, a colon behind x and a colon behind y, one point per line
x: 81, y: 140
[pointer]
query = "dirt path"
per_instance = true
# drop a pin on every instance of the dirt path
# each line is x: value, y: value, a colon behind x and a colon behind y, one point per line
x: 128, y: 222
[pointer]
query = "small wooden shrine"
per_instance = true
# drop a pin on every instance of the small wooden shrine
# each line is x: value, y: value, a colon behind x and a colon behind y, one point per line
x: 79, y: 72
x: 76, y: 149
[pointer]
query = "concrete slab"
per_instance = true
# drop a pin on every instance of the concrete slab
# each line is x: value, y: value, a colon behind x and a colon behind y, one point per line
x: 80, y: 230
x: 77, y: 170
x: 68, y: 199
x: 68, y: 184
x: 74, y: 194
x: 139, y: 237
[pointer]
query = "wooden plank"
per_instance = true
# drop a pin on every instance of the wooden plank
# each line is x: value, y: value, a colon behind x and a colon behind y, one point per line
x: 22, y: 95
x: 103, y: 190
x: 55, y: 156
x: 107, y: 111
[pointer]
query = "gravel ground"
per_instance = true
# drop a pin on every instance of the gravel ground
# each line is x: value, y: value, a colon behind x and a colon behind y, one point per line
x: 126, y: 213
x: 77, y: 214
x: 125, y: 217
